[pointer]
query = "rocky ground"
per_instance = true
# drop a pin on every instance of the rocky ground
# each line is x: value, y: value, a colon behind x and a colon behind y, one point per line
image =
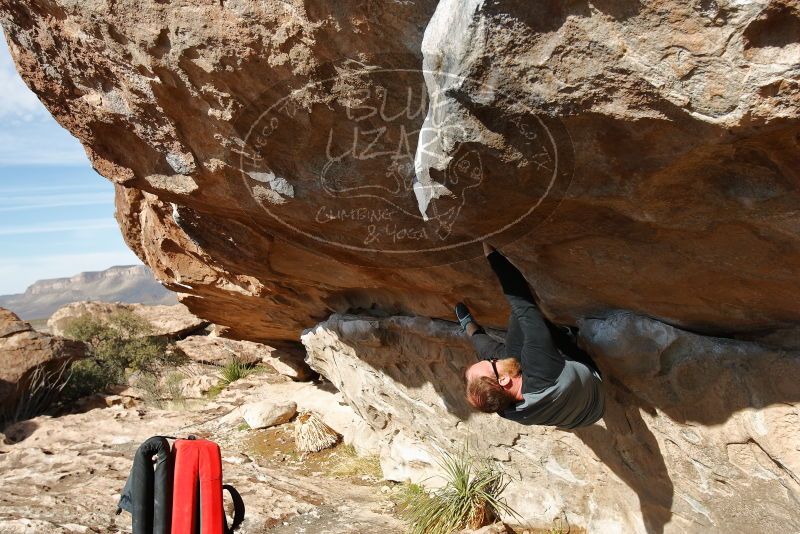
x: 64, y: 474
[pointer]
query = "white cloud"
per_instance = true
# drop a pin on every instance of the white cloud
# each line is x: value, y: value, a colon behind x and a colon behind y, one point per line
x: 60, y: 226
x: 69, y: 187
x: 16, y: 274
x: 22, y: 203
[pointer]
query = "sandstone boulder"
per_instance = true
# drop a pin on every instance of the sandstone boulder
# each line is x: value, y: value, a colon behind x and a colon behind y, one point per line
x: 102, y: 400
x: 287, y: 360
x: 171, y: 321
x: 267, y: 413
x: 197, y: 386
x: 27, y: 355
x: 695, y: 426
x: 10, y: 324
x: 220, y: 351
x: 660, y: 138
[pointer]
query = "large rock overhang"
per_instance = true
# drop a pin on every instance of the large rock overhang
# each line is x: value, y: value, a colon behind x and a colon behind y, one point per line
x: 666, y: 165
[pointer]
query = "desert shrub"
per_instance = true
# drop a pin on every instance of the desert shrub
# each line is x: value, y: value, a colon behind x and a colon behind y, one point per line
x: 350, y: 464
x: 560, y: 525
x: 173, y: 386
x: 215, y: 390
x: 90, y: 376
x: 159, y: 389
x: 122, y: 343
x: 471, y: 497
x: 151, y: 388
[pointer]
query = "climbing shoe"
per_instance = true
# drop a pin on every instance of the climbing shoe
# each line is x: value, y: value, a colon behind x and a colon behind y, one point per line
x: 463, y: 315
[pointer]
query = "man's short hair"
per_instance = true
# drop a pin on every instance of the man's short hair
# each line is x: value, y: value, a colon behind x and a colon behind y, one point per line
x: 487, y: 395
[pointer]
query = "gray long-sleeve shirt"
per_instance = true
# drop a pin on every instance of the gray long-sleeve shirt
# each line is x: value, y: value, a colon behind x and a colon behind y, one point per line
x: 576, y: 399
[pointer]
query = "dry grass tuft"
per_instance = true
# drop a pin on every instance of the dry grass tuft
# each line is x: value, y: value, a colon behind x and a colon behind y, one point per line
x: 234, y: 370
x: 350, y: 464
x: 311, y: 434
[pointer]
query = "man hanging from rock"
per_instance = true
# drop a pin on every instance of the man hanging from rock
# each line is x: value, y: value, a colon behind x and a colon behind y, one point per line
x: 528, y: 379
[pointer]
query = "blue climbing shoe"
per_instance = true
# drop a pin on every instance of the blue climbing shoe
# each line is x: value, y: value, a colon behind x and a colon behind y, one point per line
x: 463, y: 315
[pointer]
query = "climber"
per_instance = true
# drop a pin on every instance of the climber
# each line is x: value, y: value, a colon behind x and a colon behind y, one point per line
x: 528, y: 379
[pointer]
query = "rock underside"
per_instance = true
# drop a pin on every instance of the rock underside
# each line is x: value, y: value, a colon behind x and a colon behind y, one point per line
x: 281, y: 161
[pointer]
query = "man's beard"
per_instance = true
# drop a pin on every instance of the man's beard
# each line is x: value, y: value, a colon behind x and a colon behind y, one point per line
x: 509, y: 366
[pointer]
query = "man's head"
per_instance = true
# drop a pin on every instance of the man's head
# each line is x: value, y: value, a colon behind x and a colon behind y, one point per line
x: 490, y: 392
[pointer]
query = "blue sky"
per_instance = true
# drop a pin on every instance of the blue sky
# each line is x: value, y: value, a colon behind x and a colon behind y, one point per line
x: 56, y: 213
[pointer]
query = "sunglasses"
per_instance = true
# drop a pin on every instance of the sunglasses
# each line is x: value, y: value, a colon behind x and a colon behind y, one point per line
x: 494, y: 368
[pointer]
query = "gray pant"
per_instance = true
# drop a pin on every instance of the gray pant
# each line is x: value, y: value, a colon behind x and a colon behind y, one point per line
x: 530, y: 334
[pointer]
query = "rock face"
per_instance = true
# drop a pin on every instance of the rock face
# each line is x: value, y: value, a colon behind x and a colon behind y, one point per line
x: 23, y: 351
x: 699, y: 434
x: 172, y: 321
x: 668, y: 132
x: 126, y: 283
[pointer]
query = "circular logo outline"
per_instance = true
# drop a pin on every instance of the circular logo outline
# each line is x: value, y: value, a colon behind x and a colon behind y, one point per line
x: 553, y: 179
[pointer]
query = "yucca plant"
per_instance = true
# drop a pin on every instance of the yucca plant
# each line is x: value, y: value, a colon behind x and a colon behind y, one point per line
x: 37, y: 394
x: 234, y: 370
x: 470, y: 498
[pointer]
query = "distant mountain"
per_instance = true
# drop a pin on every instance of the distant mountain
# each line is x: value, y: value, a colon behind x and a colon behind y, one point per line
x: 127, y: 283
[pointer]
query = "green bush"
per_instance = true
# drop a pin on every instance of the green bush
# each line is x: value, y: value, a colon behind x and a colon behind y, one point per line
x: 122, y: 343
x: 471, y: 497
x: 88, y: 377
